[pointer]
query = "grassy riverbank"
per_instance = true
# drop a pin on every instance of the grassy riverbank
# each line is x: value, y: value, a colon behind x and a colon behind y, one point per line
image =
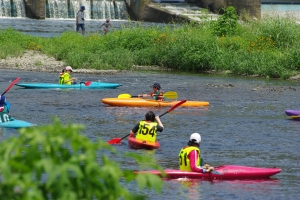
x: 267, y: 48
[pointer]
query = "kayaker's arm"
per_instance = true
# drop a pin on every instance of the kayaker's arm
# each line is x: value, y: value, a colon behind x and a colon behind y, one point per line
x: 134, y: 130
x: 193, y: 157
x: 158, y: 121
x: 71, y: 80
x: 144, y: 95
x: 131, y: 134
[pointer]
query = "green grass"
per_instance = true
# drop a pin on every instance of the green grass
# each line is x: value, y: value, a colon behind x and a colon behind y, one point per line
x: 267, y: 47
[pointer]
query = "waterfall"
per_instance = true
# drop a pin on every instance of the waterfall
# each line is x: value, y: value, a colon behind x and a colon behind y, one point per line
x: 96, y: 9
x: 75, y: 7
x: 67, y: 9
x: 102, y: 9
x: 5, y: 8
x: 121, y: 11
x: 57, y: 9
x: 12, y: 8
x: 18, y: 8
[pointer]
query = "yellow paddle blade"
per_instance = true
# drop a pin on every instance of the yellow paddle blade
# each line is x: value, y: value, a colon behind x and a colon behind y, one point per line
x: 171, y: 95
x: 124, y: 96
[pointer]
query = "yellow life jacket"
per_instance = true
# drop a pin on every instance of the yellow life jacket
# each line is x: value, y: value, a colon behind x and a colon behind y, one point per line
x: 147, y: 131
x: 61, y: 78
x: 184, y: 161
x: 66, y: 77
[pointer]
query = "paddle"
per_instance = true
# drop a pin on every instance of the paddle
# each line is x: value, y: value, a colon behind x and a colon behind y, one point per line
x: 118, y: 140
x: 169, y: 95
x: 10, y: 85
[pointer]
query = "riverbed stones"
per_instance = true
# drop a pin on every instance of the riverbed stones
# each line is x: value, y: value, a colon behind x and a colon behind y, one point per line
x: 36, y: 61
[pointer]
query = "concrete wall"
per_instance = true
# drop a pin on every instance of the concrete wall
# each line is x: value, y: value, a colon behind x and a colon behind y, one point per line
x: 253, y: 7
x: 35, y: 9
x: 144, y: 10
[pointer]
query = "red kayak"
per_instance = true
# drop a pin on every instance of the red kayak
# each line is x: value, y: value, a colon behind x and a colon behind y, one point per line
x: 142, y: 144
x: 224, y: 172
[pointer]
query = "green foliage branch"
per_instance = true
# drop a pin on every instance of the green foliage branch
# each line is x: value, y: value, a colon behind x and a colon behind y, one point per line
x: 56, y: 162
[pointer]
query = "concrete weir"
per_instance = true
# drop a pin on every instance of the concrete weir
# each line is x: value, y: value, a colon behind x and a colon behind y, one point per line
x: 35, y: 9
x: 146, y: 10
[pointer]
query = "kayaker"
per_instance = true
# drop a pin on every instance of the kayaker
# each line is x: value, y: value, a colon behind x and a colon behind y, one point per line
x: 157, y: 93
x: 189, y: 156
x: 4, y: 110
x: 66, y: 79
x: 146, y: 129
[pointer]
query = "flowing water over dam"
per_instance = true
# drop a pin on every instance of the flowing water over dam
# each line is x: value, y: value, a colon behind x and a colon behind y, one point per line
x: 64, y: 9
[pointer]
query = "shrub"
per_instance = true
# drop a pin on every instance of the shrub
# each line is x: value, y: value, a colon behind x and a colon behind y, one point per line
x: 227, y: 23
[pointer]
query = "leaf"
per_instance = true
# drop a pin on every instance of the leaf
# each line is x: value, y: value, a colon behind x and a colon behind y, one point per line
x: 147, y: 180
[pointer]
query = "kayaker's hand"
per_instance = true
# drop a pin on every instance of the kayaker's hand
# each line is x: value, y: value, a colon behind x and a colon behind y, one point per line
x: 210, y: 169
x: 142, y: 95
x: 206, y: 166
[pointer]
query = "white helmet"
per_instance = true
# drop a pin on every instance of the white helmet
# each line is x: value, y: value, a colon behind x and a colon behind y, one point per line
x: 195, y: 137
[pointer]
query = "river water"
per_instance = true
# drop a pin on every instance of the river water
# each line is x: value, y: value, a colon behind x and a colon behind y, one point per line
x: 245, y: 124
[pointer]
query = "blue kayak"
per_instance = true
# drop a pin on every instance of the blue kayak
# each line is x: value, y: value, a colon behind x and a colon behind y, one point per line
x: 16, y: 124
x: 83, y: 85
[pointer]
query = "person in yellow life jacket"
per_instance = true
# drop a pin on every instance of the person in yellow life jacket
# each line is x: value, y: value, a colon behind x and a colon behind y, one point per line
x: 189, y: 156
x: 157, y: 93
x: 66, y: 79
x: 146, y: 129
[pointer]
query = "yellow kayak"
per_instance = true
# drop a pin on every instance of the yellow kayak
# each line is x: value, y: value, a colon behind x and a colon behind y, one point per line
x: 150, y: 103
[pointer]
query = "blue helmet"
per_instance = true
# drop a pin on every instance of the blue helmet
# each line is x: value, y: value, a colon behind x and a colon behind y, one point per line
x: 82, y: 8
x: 2, y: 100
x: 157, y: 85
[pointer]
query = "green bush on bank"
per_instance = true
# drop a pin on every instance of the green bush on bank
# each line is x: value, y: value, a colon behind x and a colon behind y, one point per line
x: 56, y: 162
x: 267, y: 47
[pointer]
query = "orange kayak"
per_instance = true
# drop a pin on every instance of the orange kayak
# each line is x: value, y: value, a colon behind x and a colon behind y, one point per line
x: 142, y: 144
x: 150, y: 103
